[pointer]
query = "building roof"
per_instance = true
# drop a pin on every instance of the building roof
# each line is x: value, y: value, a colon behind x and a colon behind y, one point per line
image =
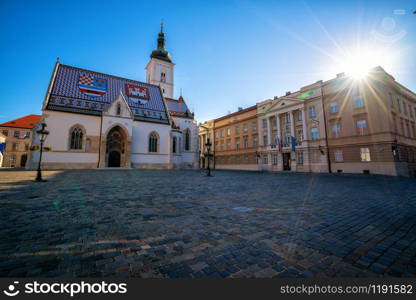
x: 83, y: 91
x: 236, y: 113
x: 28, y: 122
x: 178, y: 107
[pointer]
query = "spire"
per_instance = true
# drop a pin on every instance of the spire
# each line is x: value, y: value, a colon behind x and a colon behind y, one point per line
x: 161, y: 52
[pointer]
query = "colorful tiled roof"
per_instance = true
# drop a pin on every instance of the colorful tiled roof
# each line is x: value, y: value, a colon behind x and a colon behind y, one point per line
x: 74, y: 88
x: 28, y: 122
x: 178, y: 107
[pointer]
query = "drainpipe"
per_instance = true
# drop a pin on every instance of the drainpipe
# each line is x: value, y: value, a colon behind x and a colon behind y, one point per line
x: 99, y: 144
x: 326, y: 131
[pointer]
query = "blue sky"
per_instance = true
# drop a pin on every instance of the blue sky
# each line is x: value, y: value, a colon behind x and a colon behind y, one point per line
x: 227, y: 53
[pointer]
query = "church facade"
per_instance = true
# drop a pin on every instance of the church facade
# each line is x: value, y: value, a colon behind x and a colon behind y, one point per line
x: 98, y: 120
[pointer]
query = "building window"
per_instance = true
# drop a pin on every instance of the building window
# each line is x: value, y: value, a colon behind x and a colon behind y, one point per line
x: 338, y: 155
x: 336, y: 129
x: 237, y: 129
x: 312, y: 112
x: 274, y: 159
x: 174, y: 144
x: 300, y: 135
x: 16, y: 133
x: 237, y: 159
x: 333, y: 107
x: 264, y: 123
x: 361, y: 126
x: 410, y: 111
x: 314, y: 133
x: 413, y: 130
x: 222, y: 132
x: 188, y: 140
x: 26, y: 147
x: 254, y: 141
x: 163, y: 77
x: 228, y: 131
x: 365, y: 154
x: 153, y: 141
x: 408, y: 130
x: 358, y: 102
x: 118, y: 111
x: 228, y: 144
x: 14, y: 147
x: 246, y: 159
x: 299, y: 158
x: 222, y: 145
x: 288, y: 139
x: 76, y: 138
x: 27, y: 135
x: 265, y: 140
x: 398, y: 105
x: 286, y: 118
x: 391, y: 100
x: 245, y: 142
x: 5, y: 132
x: 405, y: 108
x: 245, y: 127
x: 255, y: 125
x: 265, y: 159
x: 299, y: 116
x: 217, y: 134
x: 237, y: 144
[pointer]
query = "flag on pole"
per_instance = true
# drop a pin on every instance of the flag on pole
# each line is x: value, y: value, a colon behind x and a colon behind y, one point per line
x: 293, y: 143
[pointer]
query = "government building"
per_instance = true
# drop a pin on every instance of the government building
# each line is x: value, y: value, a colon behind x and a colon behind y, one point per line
x: 343, y: 125
x: 97, y: 120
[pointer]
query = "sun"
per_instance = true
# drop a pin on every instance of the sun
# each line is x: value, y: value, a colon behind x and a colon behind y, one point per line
x: 358, y: 63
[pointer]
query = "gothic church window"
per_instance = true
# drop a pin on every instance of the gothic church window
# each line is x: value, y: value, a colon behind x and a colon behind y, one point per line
x: 187, y: 140
x: 76, y: 138
x: 118, y: 112
x: 153, y: 141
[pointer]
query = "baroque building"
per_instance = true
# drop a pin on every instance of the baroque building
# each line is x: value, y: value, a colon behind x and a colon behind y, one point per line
x: 342, y: 125
x: 97, y: 120
x: 18, y: 138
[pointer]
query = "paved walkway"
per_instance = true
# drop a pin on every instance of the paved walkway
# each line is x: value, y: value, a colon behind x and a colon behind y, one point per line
x: 182, y: 224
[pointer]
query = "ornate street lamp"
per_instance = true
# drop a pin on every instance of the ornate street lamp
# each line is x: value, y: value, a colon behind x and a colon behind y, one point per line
x: 43, y: 134
x: 208, y: 145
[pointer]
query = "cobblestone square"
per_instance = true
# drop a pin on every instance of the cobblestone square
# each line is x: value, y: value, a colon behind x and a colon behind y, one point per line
x: 148, y: 223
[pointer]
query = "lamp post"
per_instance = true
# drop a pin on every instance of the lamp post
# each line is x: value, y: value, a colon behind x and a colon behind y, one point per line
x: 43, y: 133
x: 208, y: 145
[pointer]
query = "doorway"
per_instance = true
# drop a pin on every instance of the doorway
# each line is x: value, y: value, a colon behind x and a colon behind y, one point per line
x: 286, y: 161
x: 23, y: 160
x: 114, y: 159
x: 115, y: 149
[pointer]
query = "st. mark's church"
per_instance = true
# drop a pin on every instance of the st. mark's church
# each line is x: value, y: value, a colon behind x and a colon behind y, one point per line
x: 98, y: 120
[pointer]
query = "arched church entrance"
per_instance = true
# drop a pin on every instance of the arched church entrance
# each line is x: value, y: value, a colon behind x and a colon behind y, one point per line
x: 115, y: 150
x: 114, y: 159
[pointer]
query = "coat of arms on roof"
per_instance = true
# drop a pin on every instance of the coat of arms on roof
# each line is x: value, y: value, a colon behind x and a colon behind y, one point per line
x: 91, y: 85
x: 137, y: 94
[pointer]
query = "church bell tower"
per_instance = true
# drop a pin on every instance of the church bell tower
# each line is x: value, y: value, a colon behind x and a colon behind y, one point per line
x: 159, y: 70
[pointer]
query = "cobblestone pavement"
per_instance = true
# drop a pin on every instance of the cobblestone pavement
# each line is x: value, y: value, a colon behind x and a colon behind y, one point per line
x: 150, y: 223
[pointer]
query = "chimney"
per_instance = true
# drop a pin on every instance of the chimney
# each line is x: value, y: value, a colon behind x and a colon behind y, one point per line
x: 339, y: 75
x: 240, y: 108
x: 288, y: 93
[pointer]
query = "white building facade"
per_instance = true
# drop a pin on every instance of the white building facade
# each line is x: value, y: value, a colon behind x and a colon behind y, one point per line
x: 98, y: 120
